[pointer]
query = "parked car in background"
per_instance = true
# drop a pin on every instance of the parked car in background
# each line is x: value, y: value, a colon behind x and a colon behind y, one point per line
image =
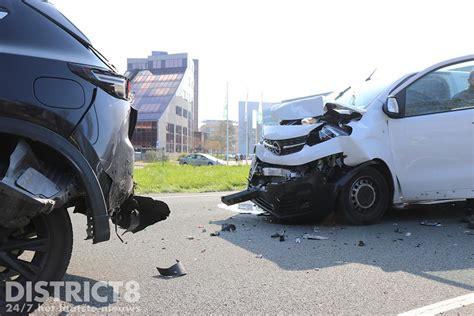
x: 200, y: 160
x: 383, y: 142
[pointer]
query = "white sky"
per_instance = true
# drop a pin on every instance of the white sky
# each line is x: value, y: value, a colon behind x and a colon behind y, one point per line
x: 284, y: 49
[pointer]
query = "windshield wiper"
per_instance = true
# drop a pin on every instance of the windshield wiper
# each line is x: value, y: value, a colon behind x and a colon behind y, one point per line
x: 342, y: 93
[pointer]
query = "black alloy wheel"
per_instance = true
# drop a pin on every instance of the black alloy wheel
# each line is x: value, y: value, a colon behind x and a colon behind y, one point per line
x: 364, y: 199
x: 39, y: 251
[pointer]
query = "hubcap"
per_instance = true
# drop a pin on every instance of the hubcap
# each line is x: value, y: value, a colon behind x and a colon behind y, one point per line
x: 363, y: 194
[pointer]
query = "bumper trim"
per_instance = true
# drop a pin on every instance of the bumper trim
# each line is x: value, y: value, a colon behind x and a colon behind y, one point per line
x: 246, y: 195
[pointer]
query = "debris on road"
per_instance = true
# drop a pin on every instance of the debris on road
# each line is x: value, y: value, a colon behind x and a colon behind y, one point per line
x: 259, y: 256
x: 468, y: 232
x: 242, y: 208
x: 203, y: 251
x: 215, y: 234
x: 280, y: 235
x: 203, y: 230
x: 228, y: 228
x: 190, y: 238
x: 408, y: 234
x: 175, y: 270
x: 298, y: 241
x: 398, y: 231
x: 361, y: 243
x: 314, y: 237
x: 431, y: 224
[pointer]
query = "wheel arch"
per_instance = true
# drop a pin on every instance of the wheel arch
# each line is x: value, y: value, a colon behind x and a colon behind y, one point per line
x: 378, y: 165
x: 75, y: 159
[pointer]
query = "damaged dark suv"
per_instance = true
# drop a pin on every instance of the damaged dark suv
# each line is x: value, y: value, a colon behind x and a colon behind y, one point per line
x: 65, y: 129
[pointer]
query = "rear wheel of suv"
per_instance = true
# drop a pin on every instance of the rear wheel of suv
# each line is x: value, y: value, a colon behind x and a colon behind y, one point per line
x: 364, y: 199
x: 39, y: 251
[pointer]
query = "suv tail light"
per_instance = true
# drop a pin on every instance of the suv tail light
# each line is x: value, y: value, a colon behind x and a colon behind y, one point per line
x: 112, y: 83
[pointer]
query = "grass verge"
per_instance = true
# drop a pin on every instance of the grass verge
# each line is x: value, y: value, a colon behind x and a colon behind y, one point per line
x: 155, y: 178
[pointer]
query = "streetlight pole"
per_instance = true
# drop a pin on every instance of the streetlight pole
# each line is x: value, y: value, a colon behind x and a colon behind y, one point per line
x: 246, y: 128
x: 227, y: 123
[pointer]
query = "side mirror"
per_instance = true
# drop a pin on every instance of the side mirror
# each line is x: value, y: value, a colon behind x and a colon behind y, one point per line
x: 391, y: 107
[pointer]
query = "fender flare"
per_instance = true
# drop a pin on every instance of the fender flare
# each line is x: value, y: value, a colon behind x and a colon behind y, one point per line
x: 76, y: 160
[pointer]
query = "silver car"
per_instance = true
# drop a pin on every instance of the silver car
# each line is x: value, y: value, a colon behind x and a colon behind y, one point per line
x: 200, y: 160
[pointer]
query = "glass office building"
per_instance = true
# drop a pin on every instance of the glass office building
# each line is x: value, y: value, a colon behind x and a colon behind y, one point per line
x: 165, y: 94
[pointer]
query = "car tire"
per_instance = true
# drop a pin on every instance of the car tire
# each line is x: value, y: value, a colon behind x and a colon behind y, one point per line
x: 364, y: 199
x: 210, y: 164
x: 51, y: 256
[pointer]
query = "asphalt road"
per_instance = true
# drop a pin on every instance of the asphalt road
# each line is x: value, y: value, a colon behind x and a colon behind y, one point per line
x: 247, y: 271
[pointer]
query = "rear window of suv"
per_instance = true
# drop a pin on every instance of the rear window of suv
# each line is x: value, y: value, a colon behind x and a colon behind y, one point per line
x: 50, y: 11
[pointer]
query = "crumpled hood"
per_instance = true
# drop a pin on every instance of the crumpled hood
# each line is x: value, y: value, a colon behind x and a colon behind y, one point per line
x: 298, y: 109
x: 278, y: 132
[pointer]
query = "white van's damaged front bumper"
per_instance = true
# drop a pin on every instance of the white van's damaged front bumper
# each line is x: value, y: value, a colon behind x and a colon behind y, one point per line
x: 298, y: 170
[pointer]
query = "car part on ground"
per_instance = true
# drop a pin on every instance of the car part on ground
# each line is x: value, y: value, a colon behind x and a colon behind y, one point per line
x: 175, y: 270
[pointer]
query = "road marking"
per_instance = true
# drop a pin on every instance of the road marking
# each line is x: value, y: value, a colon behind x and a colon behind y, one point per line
x: 188, y: 196
x: 441, y: 307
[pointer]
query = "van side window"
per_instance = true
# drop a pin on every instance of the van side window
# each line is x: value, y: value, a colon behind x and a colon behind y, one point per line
x: 443, y: 90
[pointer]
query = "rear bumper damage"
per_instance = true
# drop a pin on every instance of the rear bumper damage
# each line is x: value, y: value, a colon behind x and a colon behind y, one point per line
x: 41, y: 171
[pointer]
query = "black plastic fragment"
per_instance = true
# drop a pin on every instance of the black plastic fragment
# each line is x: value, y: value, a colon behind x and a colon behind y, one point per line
x: 279, y: 235
x: 228, y: 228
x: 175, y: 270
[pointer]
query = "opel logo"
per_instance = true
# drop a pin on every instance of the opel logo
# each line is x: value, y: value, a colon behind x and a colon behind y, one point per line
x: 276, y: 148
x: 273, y: 146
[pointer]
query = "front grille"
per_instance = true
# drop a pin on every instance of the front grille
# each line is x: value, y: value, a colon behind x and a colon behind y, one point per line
x: 285, y: 146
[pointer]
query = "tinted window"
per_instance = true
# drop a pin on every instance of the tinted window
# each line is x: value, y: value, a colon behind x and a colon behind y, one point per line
x: 51, y: 12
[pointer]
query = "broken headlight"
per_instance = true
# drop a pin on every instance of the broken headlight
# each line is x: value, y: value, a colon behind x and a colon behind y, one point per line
x: 324, y: 133
x: 329, y: 132
x: 309, y: 121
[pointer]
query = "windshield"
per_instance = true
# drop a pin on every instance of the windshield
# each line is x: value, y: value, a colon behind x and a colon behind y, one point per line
x: 360, y: 94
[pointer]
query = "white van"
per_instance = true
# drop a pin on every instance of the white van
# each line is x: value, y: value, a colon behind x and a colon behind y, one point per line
x: 370, y: 146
